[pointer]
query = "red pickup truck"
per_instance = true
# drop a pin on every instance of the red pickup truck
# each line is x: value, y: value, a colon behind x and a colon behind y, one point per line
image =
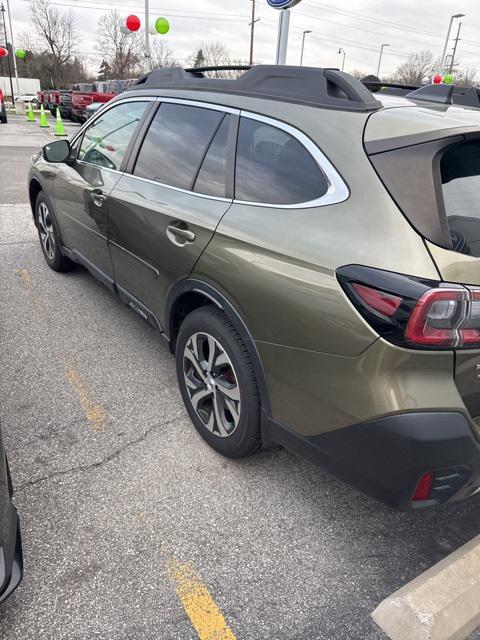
x: 84, y: 94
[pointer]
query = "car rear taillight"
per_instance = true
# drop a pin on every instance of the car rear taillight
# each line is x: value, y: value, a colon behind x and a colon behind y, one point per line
x: 437, y: 318
x: 379, y: 300
x: 415, y: 313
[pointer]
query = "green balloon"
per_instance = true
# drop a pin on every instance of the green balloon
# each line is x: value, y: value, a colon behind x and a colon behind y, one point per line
x: 162, y: 26
x: 20, y: 53
x: 448, y: 79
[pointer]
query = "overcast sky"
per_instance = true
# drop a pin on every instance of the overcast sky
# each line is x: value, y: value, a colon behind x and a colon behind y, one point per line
x: 358, y: 26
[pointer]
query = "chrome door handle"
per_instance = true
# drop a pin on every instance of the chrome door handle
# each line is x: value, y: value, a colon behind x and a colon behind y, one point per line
x: 97, y: 198
x: 178, y: 232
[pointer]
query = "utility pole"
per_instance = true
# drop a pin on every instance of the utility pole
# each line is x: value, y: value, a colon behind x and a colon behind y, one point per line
x: 2, y: 11
x: 380, y: 58
x: 452, y: 61
x: 444, y: 53
x: 252, y: 30
x: 342, y: 51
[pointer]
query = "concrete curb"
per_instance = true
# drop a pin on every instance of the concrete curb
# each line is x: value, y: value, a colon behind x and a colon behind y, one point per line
x: 441, y: 604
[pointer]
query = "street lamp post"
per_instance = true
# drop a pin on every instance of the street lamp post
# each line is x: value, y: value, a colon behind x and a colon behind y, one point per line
x: 340, y: 50
x: 380, y: 58
x: 148, y: 56
x: 303, y: 45
x: 452, y: 18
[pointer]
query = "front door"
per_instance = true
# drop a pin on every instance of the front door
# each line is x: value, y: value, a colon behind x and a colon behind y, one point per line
x: 83, y: 186
x: 166, y: 211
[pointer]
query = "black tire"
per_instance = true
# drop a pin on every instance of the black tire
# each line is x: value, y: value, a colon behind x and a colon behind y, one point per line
x: 49, y: 236
x: 235, y: 374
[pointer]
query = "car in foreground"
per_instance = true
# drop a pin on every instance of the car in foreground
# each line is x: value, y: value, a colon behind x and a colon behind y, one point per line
x: 309, y: 251
x: 11, y: 562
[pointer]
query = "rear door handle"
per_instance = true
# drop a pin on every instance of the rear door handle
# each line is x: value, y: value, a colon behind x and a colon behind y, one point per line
x: 178, y: 232
x: 98, y: 198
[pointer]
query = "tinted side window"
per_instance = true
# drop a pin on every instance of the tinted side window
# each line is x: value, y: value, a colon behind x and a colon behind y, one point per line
x: 460, y: 172
x: 211, y: 180
x: 106, y: 140
x: 273, y: 167
x: 176, y: 143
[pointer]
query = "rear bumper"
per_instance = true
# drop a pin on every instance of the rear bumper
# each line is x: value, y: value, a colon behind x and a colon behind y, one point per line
x: 386, y: 457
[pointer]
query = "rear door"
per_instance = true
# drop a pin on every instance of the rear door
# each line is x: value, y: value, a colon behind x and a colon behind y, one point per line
x: 165, y: 209
x: 83, y: 186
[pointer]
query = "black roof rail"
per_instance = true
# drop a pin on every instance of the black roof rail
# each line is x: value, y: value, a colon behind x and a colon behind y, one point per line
x: 226, y: 67
x: 375, y: 86
x: 326, y: 88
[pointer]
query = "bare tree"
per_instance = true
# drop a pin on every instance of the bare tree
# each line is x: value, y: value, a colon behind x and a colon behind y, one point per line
x: 466, y: 77
x: 57, y: 31
x: 162, y: 55
x: 214, y: 54
x: 417, y: 69
x: 122, y: 51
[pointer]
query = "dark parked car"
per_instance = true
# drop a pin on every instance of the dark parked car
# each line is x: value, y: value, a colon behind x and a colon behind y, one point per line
x: 11, y: 563
x: 306, y: 249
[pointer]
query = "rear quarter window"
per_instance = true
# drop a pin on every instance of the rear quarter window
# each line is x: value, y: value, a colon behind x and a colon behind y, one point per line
x: 273, y: 167
x: 460, y: 174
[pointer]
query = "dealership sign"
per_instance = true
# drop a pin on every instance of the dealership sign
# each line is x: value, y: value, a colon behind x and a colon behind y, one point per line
x: 282, y: 4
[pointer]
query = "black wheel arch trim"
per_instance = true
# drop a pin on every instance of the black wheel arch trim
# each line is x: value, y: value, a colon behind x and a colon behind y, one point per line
x: 193, y: 285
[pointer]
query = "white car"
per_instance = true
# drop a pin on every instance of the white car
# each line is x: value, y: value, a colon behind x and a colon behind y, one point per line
x: 28, y: 97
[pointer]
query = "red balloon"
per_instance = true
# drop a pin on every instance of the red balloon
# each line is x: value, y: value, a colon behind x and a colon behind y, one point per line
x: 437, y: 79
x: 3, y: 52
x: 132, y: 23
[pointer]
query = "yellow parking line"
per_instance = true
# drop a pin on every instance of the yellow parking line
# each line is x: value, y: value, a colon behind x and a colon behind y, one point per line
x: 94, y: 412
x: 205, y: 616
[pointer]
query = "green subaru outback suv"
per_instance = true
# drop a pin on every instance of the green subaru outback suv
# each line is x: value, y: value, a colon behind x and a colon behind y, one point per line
x: 307, y: 249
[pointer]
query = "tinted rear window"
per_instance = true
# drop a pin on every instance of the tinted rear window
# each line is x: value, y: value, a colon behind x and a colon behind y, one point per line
x: 460, y: 172
x: 212, y: 178
x: 273, y: 167
x: 176, y: 143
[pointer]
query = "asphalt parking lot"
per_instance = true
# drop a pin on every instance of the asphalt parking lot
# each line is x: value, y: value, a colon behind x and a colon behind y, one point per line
x: 132, y: 526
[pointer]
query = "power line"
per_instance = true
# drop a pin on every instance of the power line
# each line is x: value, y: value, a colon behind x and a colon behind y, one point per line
x: 194, y: 15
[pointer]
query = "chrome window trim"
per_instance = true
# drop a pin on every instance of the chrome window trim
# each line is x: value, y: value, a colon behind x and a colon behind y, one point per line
x: 337, y: 189
x: 198, y: 103
x: 108, y: 105
x: 168, y: 186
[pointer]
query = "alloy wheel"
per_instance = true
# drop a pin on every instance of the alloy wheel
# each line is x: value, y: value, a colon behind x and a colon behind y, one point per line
x: 212, y: 384
x: 45, y: 227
